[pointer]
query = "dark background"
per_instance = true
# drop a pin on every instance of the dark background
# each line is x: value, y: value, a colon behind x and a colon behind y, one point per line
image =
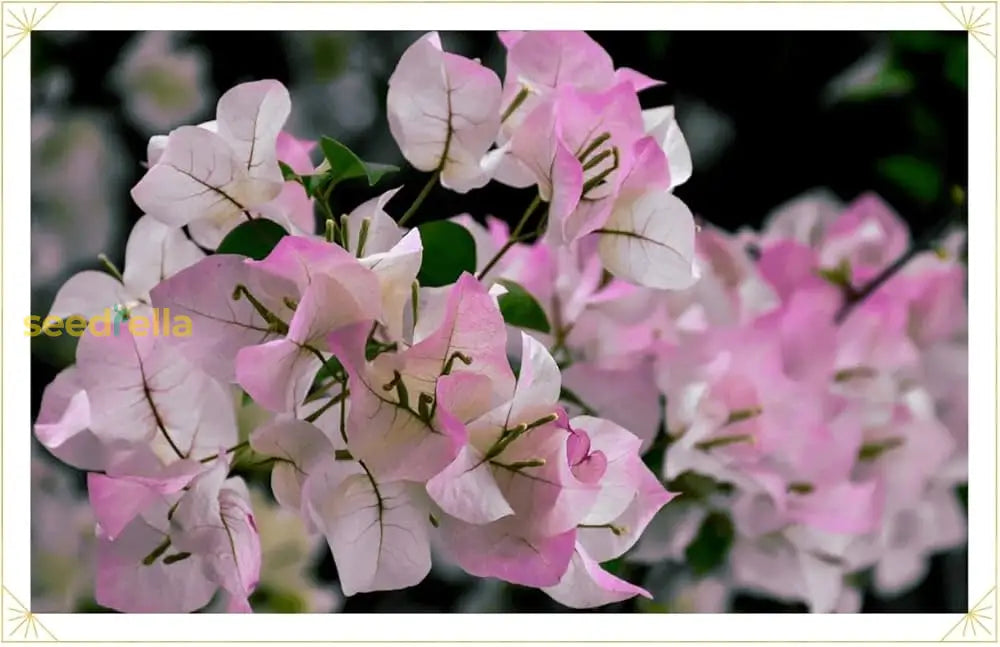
x: 767, y: 115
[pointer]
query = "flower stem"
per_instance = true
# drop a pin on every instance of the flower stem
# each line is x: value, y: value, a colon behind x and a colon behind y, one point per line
x: 420, y: 198
x: 337, y: 399
x: 523, y: 94
x: 235, y: 448
x: 111, y: 267
x: 514, y: 236
x: 854, y: 296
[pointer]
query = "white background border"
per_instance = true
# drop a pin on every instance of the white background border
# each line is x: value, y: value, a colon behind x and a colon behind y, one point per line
x: 416, y: 16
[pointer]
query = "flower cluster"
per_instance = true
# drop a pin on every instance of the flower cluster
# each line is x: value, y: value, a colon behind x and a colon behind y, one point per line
x: 818, y: 427
x: 382, y: 397
x: 523, y: 401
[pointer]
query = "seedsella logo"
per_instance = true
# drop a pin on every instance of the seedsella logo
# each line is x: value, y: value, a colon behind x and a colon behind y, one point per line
x: 111, y: 322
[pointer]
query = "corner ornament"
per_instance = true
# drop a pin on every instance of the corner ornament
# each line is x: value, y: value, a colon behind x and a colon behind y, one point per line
x: 20, y: 20
x: 977, y: 19
x: 979, y: 623
x: 20, y: 624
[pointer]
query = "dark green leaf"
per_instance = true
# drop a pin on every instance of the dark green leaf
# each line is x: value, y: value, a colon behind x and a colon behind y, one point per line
x: 521, y: 309
x: 568, y: 396
x: 956, y: 66
x: 711, y: 546
x: 917, y: 177
x: 288, y: 173
x: 89, y: 605
x: 921, y: 41
x: 331, y: 369
x: 449, y: 250
x: 344, y: 164
x: 315, y: 184
x: 697, y: 485
x: 888, y: 82
x: 616, y: 567
x: 253, y: 238
x: 275, y: 601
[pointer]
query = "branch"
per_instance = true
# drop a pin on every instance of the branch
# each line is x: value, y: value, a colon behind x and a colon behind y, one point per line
x: 855, y: 296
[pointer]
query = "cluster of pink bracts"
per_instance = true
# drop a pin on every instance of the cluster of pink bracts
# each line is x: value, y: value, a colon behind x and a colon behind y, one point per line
x: 391, y: 415
x: 832, y: 436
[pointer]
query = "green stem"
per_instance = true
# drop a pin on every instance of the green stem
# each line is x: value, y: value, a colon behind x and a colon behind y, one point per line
x: 273, y: 320
x: 343, y: 414
x: 617, y: 531
x: 337, y: 399
x: 315, y: 351
x: 514, y: 236
x: 515, y: 104
x: 235, y: 448
x: 420, y: 198
x: 854, y: 296
x: 111, y: 267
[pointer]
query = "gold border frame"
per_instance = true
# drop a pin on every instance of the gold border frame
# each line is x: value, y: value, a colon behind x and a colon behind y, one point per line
x: 973, y: 17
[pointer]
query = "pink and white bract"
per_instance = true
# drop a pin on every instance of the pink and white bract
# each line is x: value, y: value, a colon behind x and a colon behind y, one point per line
x: 408, y: 423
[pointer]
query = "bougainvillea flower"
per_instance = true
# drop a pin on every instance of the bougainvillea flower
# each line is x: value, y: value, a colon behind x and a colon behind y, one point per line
x: 209, y: 178
x: 812, y: 416
x: 139, y: 390
x: 471, y: 488
x: 395, y: 423
x: 302, y: 449
x: 650, y: 241
x: 506, y: 550
x: 661, y: 125
x: 154, y: 252
x: 377, y: 529
x: 334, y: 292
x: 126, y: 582
x: 585, y: 584
x: 132, y: 483
x: 213, y: 520
x: 867, y: 233
x: 223, y: 319
x: 579, y: 147
x: 295, y: 204
x: 539, y: 62
x: 444, y: 112
x: 63, y: 423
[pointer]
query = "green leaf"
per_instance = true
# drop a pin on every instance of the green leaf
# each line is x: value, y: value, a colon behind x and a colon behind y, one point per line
x: 312, y: 183
x: 276, y: 601
x: 449, y: 250
x: 616, y: 567
x: 288, y: 173
x: 253, y: 238
x: 711, y: 546
x: 568, y: 396
x: 698, y: 486
x: 345, y: 165
x: 919, y: 178
x: 521, y: 309
x: 889, y: 82
x: 315, y: 184
x: 89, y: 605
x: 921, y: 41
x: 650, y: 606
x: 329, y: 370
x: 956, y: 66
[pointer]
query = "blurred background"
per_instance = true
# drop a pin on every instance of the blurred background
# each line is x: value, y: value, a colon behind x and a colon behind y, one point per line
x: 767, y: 116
